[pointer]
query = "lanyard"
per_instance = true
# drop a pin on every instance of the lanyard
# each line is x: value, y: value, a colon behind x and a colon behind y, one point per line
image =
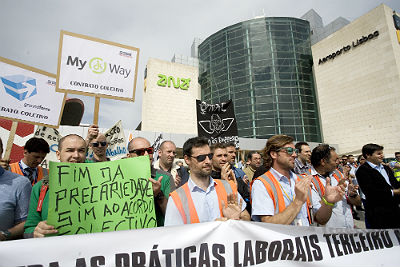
x: 290, y: 199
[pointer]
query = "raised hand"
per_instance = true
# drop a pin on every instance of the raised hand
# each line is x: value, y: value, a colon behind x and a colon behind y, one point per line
x: 334, y: 194
x: 302, y: 187
x: 232, y: 209
x: 156, y: 185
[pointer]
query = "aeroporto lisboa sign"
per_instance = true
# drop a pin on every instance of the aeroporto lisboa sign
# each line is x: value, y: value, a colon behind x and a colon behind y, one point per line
x: 182, y: 83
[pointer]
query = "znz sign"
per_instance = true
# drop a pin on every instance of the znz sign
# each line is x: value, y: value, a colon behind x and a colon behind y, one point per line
x: 175, y: 82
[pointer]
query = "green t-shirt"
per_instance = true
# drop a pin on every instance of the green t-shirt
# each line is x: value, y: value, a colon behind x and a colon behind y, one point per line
x: 34, y: 216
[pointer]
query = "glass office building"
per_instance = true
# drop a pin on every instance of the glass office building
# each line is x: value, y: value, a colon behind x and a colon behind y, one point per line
x: 265, y: 66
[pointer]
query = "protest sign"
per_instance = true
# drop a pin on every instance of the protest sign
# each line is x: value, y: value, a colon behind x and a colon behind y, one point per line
x: 52, y: 136
x: 92, y: 66
x: 101, y: 197
x: 28, y: 94
x: 217, y: 122
x: 232, y: 243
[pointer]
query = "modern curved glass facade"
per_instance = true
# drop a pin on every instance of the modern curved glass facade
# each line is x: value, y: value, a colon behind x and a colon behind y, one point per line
x: 265, y: 66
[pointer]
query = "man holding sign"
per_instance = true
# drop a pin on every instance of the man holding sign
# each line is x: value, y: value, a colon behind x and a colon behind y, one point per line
x: 71, y: 148
x: 98, y: 143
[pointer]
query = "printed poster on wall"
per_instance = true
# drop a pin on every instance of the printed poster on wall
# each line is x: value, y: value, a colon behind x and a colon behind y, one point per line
x: 92, y: 66
x: 217, y: 122
x: 28, y: 94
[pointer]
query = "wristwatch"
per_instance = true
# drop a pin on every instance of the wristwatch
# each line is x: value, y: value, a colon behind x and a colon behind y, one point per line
x: 6, y: 234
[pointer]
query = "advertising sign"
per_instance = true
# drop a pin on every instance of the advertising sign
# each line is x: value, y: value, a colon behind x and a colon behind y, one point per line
x: 91, y: 66
x: 28, y: 94
x: 101, y: 197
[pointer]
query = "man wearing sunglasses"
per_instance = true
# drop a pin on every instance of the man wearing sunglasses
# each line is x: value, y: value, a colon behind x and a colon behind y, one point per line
x: 162, y: 181
x: 203, y: 199
x: 98, y: 143
x: 282, y: 197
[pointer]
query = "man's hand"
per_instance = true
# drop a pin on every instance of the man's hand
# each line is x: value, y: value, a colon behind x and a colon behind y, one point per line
x: 246, y: 179
x: 156, y: 185
x: 334, y: 194
x: 302, y: 188
x: 352, y: 189
x: 43, y: 229
x: 232, y: 209
x: 5, y: 164
x: 177, y: 180
x: 93, y: 132
x: 227, y: 173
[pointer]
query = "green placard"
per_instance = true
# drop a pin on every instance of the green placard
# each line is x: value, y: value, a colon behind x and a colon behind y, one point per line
x: 101, y: 197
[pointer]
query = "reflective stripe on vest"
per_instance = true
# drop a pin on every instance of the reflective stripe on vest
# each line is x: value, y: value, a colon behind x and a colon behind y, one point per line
x: 396, y: 172
x: 275, y: 192
x: 41, y: 172
x: 185, y: 205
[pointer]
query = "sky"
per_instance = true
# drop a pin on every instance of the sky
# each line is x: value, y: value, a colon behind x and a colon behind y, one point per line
x: 30, y: 31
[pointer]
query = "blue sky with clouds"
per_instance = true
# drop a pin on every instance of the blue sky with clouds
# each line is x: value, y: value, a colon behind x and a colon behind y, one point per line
x: 30, y: 31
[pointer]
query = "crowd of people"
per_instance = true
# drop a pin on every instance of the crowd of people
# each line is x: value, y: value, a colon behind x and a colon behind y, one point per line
x: 283, y: 183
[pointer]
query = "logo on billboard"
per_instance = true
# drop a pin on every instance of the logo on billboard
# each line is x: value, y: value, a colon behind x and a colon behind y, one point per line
x: 97, y: 66
x: 165, y: 80
x: 19, y: 86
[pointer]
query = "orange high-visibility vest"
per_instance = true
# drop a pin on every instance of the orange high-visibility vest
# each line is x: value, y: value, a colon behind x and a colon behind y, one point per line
x: 320, y: 187
x: 185, y: 205
x: 41, y: 172
x: 275, y: 192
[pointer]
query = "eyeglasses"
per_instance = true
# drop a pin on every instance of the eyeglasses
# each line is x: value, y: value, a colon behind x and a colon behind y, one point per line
x: 289, y: 150
x: 99, y: 144
x: 201, y: 158
x: 142, y: 151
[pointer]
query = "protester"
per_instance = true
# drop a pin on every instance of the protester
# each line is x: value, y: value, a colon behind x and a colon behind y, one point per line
x: 222, y: 168
x: 98, y: 143
x: 202, y: 198
x: 323, y: 160
x: 280, y: 196
x: 253, y: 162
x: 165, y: 162
x: 163, y: 182
x: 302, y: 162
x: 381, y: 189
x: 15, y: 191
x: 35, y: 150
x: 342, y: 163
x: 395, y: 166
x: 71, y: 148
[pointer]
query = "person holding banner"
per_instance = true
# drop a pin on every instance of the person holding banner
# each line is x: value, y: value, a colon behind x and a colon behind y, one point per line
x: 163, y: 182
x: 98, y: 143
x: 71, y: 148
x: 15, y: 191
x: 282, y: 197
x: 203, y: 199
x: 35, y: 150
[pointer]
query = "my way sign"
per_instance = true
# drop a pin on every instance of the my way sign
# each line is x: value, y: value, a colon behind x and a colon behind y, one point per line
x: 101, y: 197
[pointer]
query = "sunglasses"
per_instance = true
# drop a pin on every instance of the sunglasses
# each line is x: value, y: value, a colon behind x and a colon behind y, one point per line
x: 99, y: 144
x: 289, y: 150
x: 142, y: 151
x: 201, y: 158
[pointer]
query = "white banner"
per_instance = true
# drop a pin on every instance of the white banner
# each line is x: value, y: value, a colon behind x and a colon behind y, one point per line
x: 92, y: 66
x: 28, y: 94
x: 231, y: 243
x: 52, y: 136
x: 116, y: 142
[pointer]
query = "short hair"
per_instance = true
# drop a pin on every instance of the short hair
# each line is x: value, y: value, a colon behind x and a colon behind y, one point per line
x: 193, y: 142
x: 166, y: 141
x: 321, y: 152
x: 61, y: 141
x: 344, y: 156
x: 230, y: 144
x: 36, y: 144
x: 213, y: 147
x: 298, y: 145
x: 359, y: 157
x: 369, y: 149
x: 350, y: 156
x: 273, y: 144
x: 395, y: 153
x: 134, y: 139
x: 250, y: 155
